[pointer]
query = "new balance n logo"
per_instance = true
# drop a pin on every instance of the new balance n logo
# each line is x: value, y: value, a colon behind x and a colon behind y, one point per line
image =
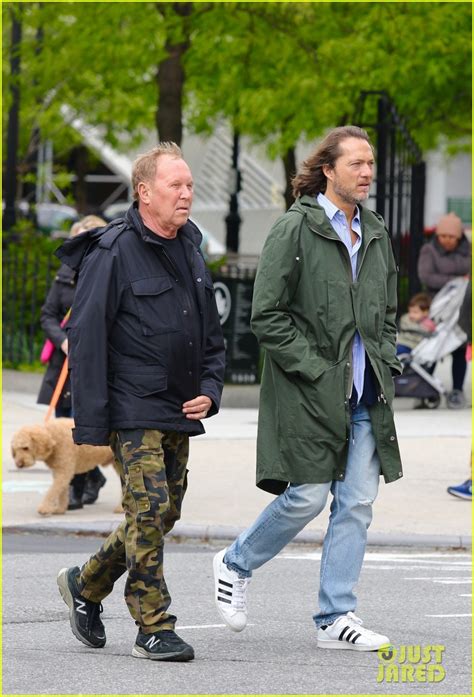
x: 152, y: 641
x: 80, y: 605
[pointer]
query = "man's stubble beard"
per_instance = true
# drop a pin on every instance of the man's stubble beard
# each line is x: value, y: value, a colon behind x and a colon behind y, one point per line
x: 349, y: 196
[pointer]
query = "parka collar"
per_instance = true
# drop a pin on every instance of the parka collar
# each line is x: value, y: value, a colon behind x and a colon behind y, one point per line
x: 372, y: 223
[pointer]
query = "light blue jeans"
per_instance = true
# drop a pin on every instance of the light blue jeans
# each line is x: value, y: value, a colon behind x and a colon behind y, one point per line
x: 346, y: 536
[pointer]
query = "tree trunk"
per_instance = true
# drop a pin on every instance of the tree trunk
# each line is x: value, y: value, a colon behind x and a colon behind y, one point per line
x: 11, y: 172
x: 170, y: 79
x: 289, y: 163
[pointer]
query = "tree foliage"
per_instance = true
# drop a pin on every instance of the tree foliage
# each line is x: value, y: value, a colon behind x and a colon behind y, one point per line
x: 277, y: 71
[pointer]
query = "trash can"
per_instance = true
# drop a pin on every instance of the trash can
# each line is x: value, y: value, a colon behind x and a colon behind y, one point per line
x: 234, y: 289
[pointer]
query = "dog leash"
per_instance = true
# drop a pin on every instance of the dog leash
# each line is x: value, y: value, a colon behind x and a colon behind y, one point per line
x: 57, y: 390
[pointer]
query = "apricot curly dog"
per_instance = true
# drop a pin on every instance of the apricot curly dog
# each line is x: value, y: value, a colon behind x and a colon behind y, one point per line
x: 53, y: 444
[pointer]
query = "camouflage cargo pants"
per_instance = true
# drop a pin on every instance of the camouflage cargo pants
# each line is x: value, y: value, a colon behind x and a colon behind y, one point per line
x: 152, y: 466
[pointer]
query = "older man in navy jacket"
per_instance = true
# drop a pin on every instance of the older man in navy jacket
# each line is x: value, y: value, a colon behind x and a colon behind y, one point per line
x: 147, y: 364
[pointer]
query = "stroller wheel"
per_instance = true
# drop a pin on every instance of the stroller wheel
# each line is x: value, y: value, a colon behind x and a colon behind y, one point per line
x: 428, y: 403
x: 432, y: 402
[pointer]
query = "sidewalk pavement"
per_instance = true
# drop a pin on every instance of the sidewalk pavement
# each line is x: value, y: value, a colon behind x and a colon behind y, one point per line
x: 222, y: 498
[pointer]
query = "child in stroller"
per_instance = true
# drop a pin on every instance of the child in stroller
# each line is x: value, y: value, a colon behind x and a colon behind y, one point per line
x: 418, y: 360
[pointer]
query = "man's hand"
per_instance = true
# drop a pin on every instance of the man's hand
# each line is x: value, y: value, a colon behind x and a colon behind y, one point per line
x: 197, y: 408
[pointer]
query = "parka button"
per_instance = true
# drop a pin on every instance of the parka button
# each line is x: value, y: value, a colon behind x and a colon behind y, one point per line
x: 199, y: 280
x: 185, y: 312
x: 400, y: 474
x: 392, y: 437
x: 348, y: 365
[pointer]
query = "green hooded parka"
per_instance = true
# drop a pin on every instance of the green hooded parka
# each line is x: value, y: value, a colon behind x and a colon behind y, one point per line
x: 306, y: 310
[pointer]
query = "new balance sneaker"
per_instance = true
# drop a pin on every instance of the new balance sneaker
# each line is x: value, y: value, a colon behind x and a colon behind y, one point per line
x: 230, y: 594
x: 462, y: 491
x: 347, y: 633
x: 84, y: 615
x: 162, y: 646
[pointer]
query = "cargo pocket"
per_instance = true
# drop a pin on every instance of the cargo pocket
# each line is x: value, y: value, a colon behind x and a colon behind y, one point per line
x: 156, y: 305
x: 137, y: 488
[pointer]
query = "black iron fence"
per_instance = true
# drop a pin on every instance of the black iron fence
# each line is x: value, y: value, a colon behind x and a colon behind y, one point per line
x: 399, y: 194
x: 28, y: 272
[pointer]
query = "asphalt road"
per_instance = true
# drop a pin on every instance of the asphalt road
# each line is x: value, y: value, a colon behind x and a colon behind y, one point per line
x: 419, y: 598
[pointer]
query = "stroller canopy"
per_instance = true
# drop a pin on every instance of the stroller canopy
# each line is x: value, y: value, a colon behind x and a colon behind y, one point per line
x: 444, y: 312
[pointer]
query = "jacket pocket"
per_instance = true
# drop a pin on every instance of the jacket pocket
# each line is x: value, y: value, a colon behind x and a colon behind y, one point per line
x: 156, y: 304
x: 142, y: 383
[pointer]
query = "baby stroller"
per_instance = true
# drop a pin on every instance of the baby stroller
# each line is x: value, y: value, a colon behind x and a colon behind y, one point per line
x: 416, y: 381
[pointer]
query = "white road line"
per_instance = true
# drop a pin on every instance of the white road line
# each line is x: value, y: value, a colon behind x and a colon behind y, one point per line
x: 468, y: 615
x: 205, y: 626
x: 396, y: 557
x: 465, y: 595
x: 15, y: 487
x: 200, y: 626
x: 411, y: 567
x: 438, y: 579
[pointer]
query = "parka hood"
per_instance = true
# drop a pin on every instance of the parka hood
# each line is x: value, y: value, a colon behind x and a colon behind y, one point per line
x: 73, y: 250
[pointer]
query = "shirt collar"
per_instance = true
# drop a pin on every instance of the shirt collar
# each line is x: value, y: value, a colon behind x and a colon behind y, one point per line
x: 332, y: 210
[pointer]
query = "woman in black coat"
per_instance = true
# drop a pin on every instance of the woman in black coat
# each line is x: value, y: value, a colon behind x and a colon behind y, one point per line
x: 84, y: 487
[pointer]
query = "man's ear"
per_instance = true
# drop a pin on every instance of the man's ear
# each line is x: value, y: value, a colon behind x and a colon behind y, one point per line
x: 327, y: 171
x: 143, y: 191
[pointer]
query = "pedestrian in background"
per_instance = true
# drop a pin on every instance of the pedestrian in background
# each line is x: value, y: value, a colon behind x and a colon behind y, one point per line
x: 147, y: 364
x: 84, y: 488
x: 464, y: 490
x: 324, y: 311
x: 447, y: 256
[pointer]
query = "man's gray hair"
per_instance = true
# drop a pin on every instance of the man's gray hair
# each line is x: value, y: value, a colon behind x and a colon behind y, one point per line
x: 144, y: 167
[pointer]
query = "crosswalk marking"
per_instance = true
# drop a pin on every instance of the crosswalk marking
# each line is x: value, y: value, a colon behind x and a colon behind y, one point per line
x: 454, y: 615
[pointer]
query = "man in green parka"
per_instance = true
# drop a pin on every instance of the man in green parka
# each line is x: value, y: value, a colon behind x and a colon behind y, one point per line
x: 324, y: 310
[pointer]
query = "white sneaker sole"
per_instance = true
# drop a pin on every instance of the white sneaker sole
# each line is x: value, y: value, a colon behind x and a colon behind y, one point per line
x: 139, y: 652
x: 347, y: 645
x: 235, y: 628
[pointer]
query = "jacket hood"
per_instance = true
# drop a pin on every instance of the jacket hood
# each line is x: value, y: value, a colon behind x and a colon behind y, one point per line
x: 73, y: 250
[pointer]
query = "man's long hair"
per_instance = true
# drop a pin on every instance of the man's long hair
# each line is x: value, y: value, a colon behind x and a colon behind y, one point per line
x: 310, y: 178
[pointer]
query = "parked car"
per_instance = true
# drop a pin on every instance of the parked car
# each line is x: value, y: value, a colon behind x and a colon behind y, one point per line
x: 210, y: 246
x: 56, y: 218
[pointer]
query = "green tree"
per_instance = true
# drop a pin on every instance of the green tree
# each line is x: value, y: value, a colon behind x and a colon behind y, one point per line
x: 278, y: 72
